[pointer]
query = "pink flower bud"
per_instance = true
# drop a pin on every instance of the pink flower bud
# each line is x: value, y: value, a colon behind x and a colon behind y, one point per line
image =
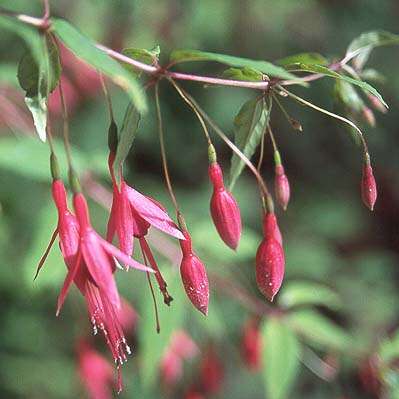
x: 251, y: 345
x: 224, y: 209
x: 194, y: 277
x: 368, y: 116
x: 376, y: 103
x: 271, y: 229
x: 369, y: 187
x: 281, y: 187
x: 270, y: 265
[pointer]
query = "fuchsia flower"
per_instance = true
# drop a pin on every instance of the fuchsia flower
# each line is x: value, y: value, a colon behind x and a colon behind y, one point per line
x: 181, y: 347
x: 194, y: 277
x: 212, y: 372
x: 224, y: 209
x: 251, y: 344
x: 132, y: 214
x: 369, y: 186
x: 270, y: 261
x: 90, y: 263
x: 95, y: 372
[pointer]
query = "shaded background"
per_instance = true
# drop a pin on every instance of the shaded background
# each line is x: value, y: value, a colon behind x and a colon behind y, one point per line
x: 330, y: 237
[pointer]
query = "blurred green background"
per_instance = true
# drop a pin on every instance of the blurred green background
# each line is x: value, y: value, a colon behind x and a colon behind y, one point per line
x: 330, y: 237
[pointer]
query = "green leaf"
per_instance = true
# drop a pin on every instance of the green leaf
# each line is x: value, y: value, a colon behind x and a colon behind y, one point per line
x: 46, y: 73
x: 349, y: 97
x: 268, y: 68
x: 389, y: 348
x: 85, y: 49
x: 300, y: 67
x: 25, y: 155
x: 249, y: 126
x: 281, y: 352
x: 306, y: 58
x: 8, y: 75
x: 149, y: 57
x: 300, y: 293
x: 319, y: 331
x: 38, y: 108
x: 129, y: 129
x: 246, y: 74
x: 29, y: 34
x: 360, y: 48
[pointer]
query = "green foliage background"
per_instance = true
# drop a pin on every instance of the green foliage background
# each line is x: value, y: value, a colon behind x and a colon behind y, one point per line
x: 330, y: 237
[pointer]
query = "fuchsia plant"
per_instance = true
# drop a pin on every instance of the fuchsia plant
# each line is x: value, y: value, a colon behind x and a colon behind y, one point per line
x: 92, y: 261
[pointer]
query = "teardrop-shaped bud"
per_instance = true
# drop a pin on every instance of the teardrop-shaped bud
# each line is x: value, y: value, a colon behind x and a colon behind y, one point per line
x: 281, y: 187
x: 376, y: 103
x: 368, y: 116
x: 369, y: 186
x: 270, y: 265
x: 271, y: 229
x: 194, y: 277
x: 224, y: 209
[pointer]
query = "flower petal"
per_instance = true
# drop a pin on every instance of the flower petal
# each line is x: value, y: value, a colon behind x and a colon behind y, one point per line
x: 68, y: 281
x: 99, y: 265
x: 113, y: 251
x: 153, y: 214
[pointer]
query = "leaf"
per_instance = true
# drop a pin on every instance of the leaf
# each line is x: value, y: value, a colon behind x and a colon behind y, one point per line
x: 7, y: 74
x: 349, y: 97
x: 268, y: 68
x: 281, y: 351
x: 249, y: 126
x: 389, y: 348
x: 314, y: 68
x: 319, y: 331
x: 31, y: 73
x: 306, y: 58
x: 129, y: 129
x: 38, y: 108
x: 245, y: 74
x: 301, y: 293
x: 85, y: 49
x: 360, y: 48
x: 149, y: 57
x: 26, y: 156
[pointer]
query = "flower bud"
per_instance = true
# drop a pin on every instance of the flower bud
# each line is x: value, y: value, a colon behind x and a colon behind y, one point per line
x: 281, y: 183
x: 368, y: 187
x: 251, y: 345
x: 224, y: 209
x: 270, y: 265
x: 376, y: 103
x: 271, y: 229
x: 194, y: 277
x: 368, y: 116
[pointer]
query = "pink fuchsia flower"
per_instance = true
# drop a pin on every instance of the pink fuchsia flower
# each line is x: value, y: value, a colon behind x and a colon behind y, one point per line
x: 193, y: 393
x: 224, y: 209
x: 251, y: 344
x: 181, y: 347
x: 96, y: 374
x: 368, y: 186
x: 194, y: 277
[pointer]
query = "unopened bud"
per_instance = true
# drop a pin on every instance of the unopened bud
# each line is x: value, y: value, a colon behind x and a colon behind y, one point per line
x: 368, y: 186
x: 376, y: 103
x: 368, y: 116
x: 224, y: 209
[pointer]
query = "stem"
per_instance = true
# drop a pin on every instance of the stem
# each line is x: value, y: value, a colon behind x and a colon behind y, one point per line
x: 262, y: 151
x: 220, y: 133
x: 46, y: 5
x: 324, y: 111
x: 107, y: 97
x: 157, y: 324
x: 163, y: 152
x: 187, y: 100
x: 273, y: 140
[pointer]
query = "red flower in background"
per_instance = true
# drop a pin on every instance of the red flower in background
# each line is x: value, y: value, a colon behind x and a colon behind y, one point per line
x: 251, y: 344
x: 95, y: 372
x: 211, y: 372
